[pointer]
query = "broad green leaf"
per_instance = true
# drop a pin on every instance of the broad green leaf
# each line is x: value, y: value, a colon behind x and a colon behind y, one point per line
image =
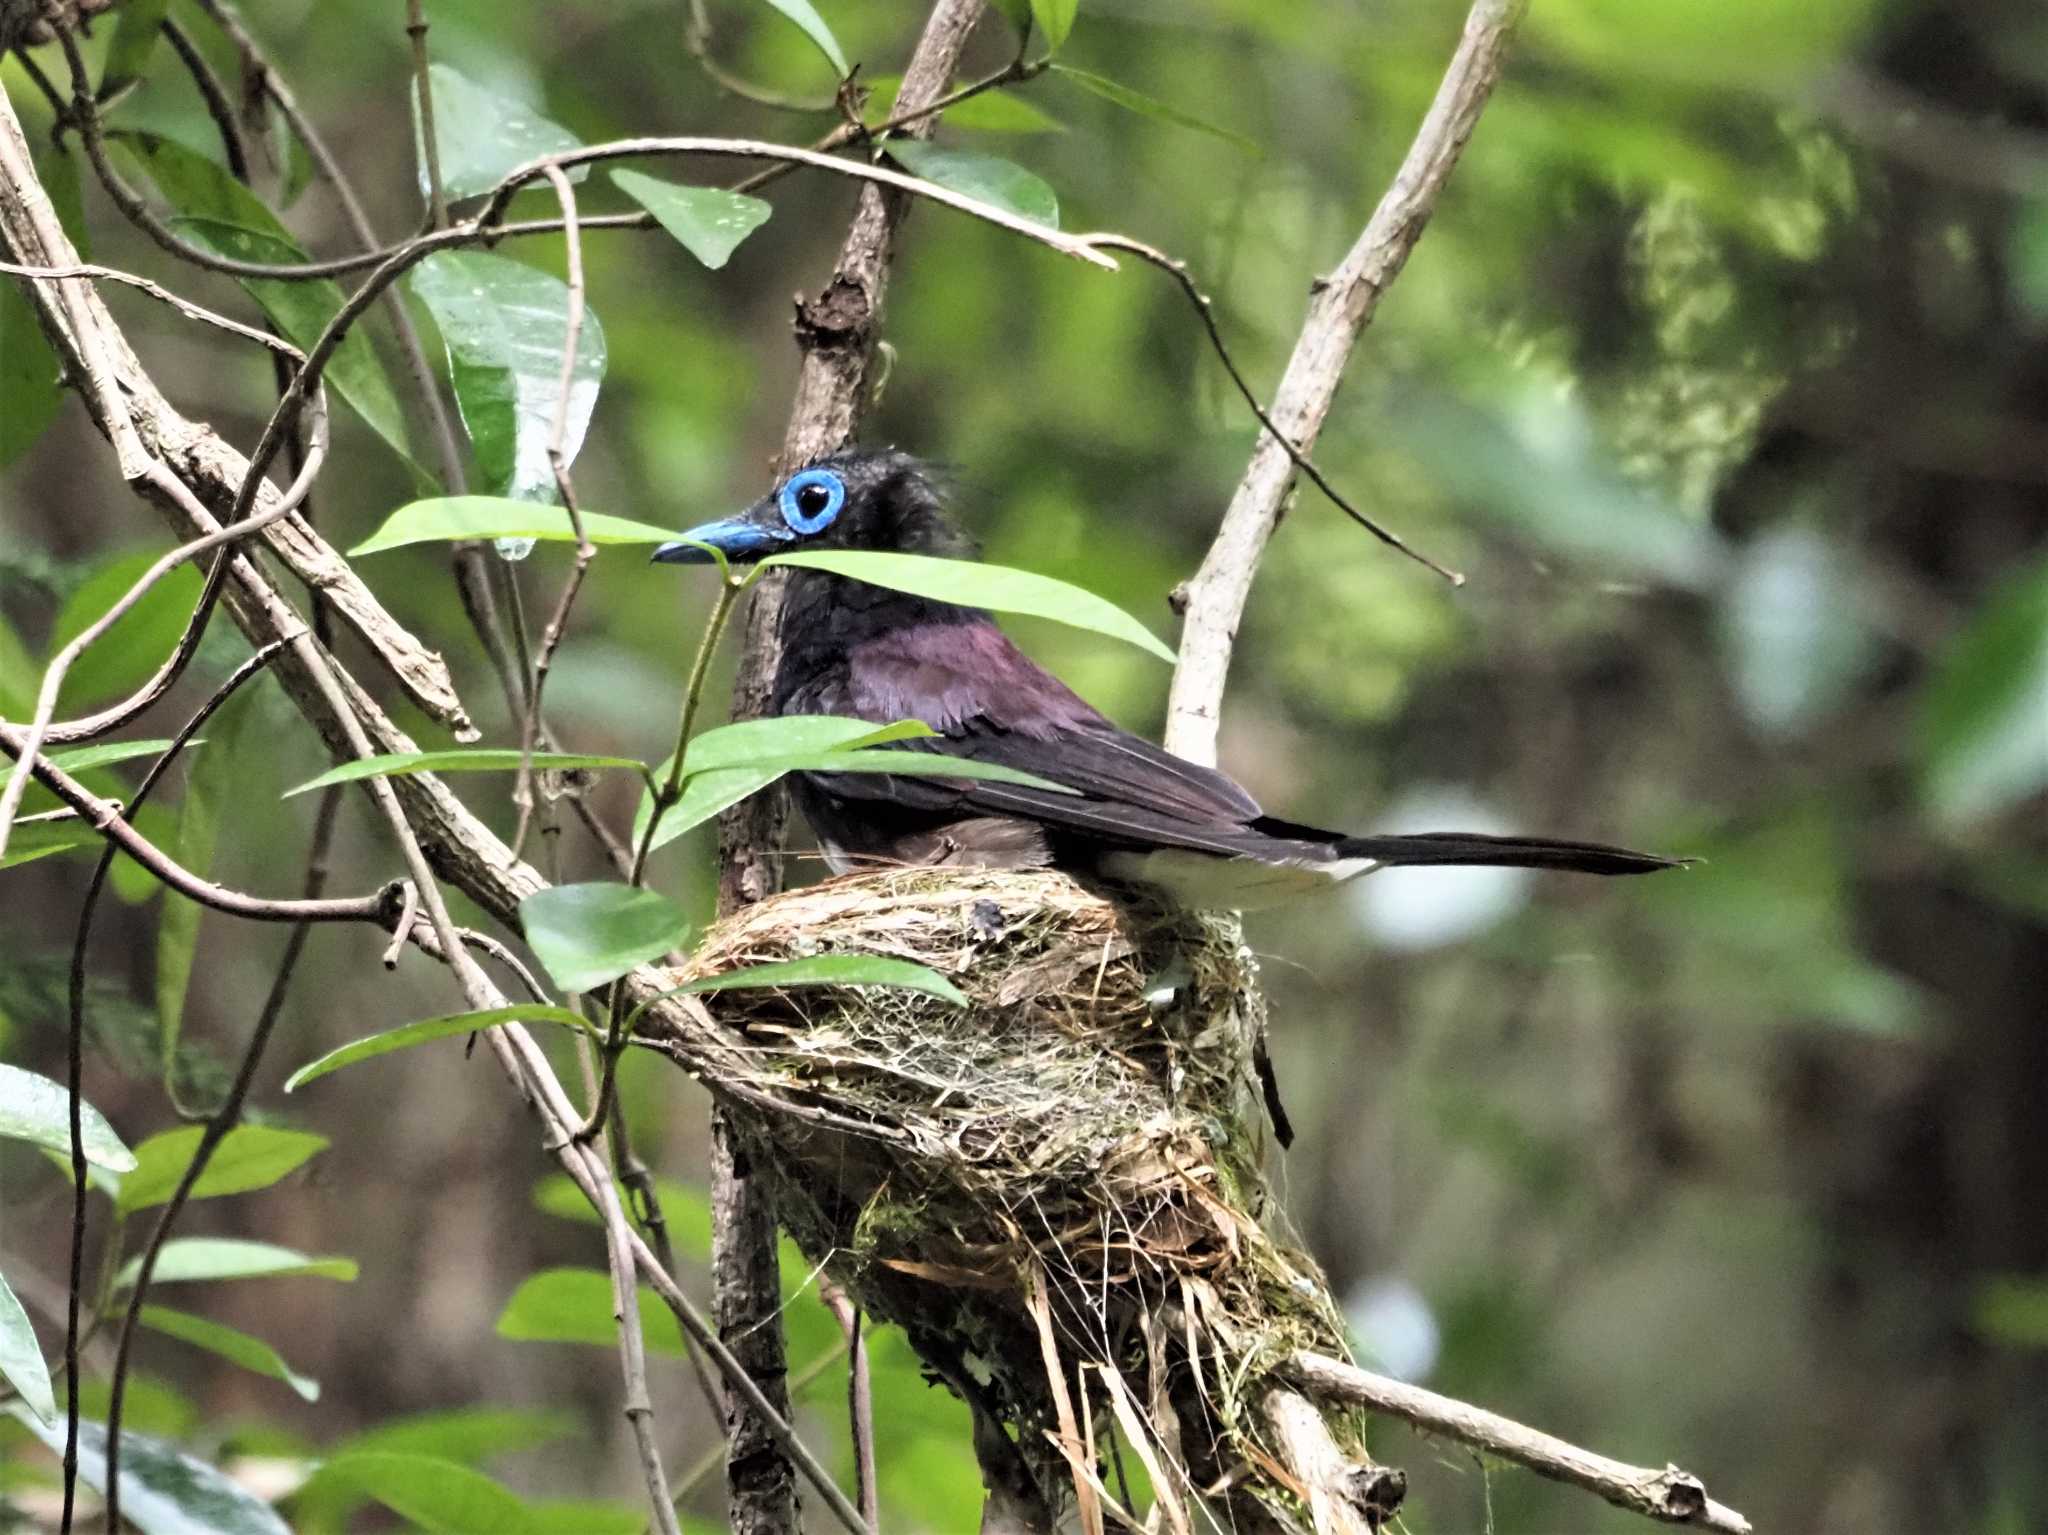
x: 459, y: 760
x: 21, y: 1357
x: 993, y: 111
x: 587, y: 935
x: 156, y: 821
x: 238, y: 1347
x: 186, y: 1259
x: 829, y: 970
x: 704, y: 795
x: 1147, y: 106
x: 2012, y: 1310
x: 459, y: 517
x: 134, y: 40
x: 80, y: 759
x: 163, y: 1490
x: 805, y: 15
x: 504, y: 325
x: 31, y: 391
x: 571, y: 1305
x: 685, y: 1210
x: 1055, y: 19
x: 446, y: 1497
x: 464, y: 1435
x: 483, y: 136
x: 996, y: 587
x: 1984, y: 714
x: 249, y: 1157
x: 37, y: 1110
x: 429, y: 1029
x: 141, y: 640
x: 708, y: 222
x: 973, y: 174
x: 218, y: 212
x: 147, y: 1403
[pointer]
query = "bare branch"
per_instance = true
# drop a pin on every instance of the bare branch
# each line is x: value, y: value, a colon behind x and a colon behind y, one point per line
x: 1340, y: 307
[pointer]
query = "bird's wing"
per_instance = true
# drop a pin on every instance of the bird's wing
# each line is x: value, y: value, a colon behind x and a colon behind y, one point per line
x: 990, y: 702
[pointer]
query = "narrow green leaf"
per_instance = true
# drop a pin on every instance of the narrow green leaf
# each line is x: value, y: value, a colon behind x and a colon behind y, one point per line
x: 587, y: 935
x: 80, y: 759
x: 1148, y: 106
x: 249, y: 1157
x: 457, y: 517
x: 21, y: 1357
x: 482, y: 135
x: 210, y: 783
x: 429, y: 1029
x: 141, y: 640
x: 1984, y: 714
x: 708, y: 222
x: 31, y: 387
x: 572, y: 1305
x: 459, y: 760
x: 1055, y: 19
x: 231, y: 1344
x: 993, y: 111
x: 134, y: 41
x: 163, y: 1490
x: 830, y: 970
x: 42, y: 839
x: 805, y: 15
x: 187, y: 1259
x: 504, y: 325
x: 37, y: 1110
x: 974, y: 174
x: 999, y: 588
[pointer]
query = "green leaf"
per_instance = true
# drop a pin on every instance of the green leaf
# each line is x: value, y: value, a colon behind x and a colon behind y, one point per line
x: 141, y: 640
x: 1016, y: 12
x: 973, y: 174
x: 708, y: 222
x: 134, y: 41
x: 429, y: 1029
x: 1055, y: 19
x: 238, y: 1347
x: 2012, y: 1310
x: 41, y: 839
x: 829, y: 970
x: 31, y: 387
x: 462, y: 1435
x: 571, y: 1305
x: 37, y: 1110
x: 685, y: 1210
x: 249, y: 1157
x: 1984, y: 714
x: 587, y: 935
x: 504, y: 325
x: 993, y: 111
x: 1148, y: 106
x: 163, y: 1490
x: 458, y: 517
x: 996, y: 587
x: 704, y: 796
x: 218, y: 212
x: 82, y: 759
x: 21, y: 1357
x: 459, y: 760
x: 806, y: 16
x: 483, y: 136
x: 184, y: 1260
x: 445, y: 1497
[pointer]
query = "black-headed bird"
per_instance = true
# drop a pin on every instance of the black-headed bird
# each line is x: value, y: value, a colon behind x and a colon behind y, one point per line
x: 1136, y: 814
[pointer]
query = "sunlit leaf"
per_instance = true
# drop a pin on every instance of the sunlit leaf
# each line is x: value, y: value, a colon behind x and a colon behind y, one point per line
x: 998, y: 588
x: 37, y: 1110
x: 231, y: 1344
x: 806, y: 16
x: 456, y: 517
x: 589, y: 934
x: 141, y: 640
x: 21, y: 1357
x: 973, y: 174
x: 482, y: 759
x: 708, y: 222
x: 569, y: 1305
x: 1148, y: 106
x: 184, y: 1260
x: 249, y: 1157
x: 403, y: 1038
x: 483, y: 135
x: 1984, y: 715
x: 163, y: 1490
x: 829, y: 970
x: 1055, y: 19
x: 993, y: 111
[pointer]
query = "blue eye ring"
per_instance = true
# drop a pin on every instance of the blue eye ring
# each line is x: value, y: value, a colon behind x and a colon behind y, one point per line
x: 800, y: 505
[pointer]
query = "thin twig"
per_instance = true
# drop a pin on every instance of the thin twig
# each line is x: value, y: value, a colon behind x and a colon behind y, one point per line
x: 860, y: 1398
x: 1670, y: 1495
x: 697, y: 42
x: 423, y: 97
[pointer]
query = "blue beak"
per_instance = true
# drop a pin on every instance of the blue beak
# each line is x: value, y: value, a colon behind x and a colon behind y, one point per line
x: 737, y: 538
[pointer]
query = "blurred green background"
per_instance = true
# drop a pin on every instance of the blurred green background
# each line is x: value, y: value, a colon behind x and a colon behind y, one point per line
x: 1722, y: 372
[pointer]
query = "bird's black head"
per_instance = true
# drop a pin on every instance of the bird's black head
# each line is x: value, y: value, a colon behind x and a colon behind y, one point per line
x: 859, y: 499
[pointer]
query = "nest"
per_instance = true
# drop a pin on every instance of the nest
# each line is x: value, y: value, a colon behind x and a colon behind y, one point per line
x: 1056, y: 1191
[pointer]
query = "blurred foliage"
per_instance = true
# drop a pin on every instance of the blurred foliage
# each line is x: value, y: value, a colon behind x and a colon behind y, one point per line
x: 1722, y: 371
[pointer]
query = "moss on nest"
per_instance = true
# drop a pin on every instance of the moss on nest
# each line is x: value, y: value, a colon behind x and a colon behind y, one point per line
x: 1089, y: 1129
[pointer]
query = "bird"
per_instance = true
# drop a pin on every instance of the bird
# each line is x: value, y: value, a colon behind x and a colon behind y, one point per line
x: 1131, y: 813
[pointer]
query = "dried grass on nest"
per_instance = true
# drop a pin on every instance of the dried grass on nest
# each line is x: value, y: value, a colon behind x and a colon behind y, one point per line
x: 1090, y: 1125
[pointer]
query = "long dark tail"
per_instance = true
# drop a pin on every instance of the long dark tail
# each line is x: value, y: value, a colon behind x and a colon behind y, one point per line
x: 1467, y: 847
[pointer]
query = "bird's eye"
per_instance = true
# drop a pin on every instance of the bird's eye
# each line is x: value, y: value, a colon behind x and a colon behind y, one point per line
x: 811, y: 500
